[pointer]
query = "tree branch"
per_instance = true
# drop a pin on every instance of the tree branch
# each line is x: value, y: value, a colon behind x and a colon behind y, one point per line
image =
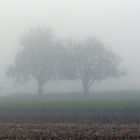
x: 90, y: 83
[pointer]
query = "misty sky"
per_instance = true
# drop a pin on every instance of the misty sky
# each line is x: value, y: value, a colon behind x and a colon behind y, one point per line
x: 115, y: 22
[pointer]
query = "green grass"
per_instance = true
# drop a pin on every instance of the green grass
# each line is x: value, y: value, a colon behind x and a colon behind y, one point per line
x: 100, y: 102
x: 79, y: 105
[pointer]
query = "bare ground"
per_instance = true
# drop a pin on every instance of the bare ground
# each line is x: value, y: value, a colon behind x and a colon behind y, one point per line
x: 69, y: 131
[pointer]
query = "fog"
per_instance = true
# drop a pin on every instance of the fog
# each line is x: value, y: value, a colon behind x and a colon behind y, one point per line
x: 115, y: 23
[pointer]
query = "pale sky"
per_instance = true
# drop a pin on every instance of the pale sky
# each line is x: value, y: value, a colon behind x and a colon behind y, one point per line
x: 115, y: 22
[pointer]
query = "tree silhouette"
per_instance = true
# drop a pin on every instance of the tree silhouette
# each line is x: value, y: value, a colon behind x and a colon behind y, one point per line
x: 38, y: 58
x: 90, y: 61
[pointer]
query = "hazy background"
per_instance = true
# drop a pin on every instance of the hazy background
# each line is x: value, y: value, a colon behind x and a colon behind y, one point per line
x: 115, y: 22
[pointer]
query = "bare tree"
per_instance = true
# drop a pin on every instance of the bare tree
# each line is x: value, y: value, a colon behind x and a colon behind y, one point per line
x: 38, y: 58
x: 90, y: 61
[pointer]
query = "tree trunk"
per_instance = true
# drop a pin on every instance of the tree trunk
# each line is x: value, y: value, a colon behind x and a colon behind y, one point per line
x: 86, y: 91
x: 85, y: 88
x: 40, y: 88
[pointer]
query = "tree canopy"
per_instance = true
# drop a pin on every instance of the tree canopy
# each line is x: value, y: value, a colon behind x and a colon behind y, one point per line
x: 37, y: 59
x: 45, y: 58
x: 90, y: 61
